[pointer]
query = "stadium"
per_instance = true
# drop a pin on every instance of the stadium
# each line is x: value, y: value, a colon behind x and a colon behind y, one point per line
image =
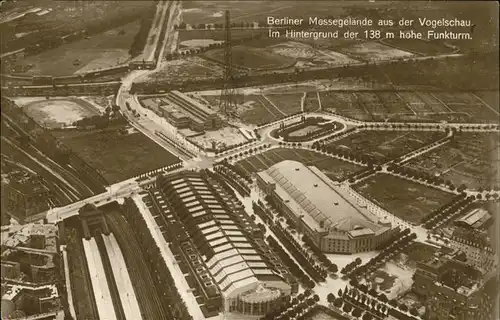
x: 322, y: 210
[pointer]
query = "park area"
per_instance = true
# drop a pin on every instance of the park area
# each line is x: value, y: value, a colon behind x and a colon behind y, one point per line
x: 103, y: 50
x: 385, y: 145
x: 408, y: 200
x: 470, y: 158
x: 335, y: 169
x: 117, y: 153
x: 58, y: 112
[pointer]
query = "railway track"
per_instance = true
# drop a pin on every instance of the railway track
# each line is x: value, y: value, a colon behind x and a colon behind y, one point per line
x: 149, y: 302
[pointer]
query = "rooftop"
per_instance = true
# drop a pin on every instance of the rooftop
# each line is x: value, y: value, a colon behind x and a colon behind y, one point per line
x: 475, y: 218
x: 227, y: 251
x: 322, y: 205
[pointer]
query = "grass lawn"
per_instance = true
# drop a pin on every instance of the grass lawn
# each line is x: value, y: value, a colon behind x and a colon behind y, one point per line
x: 335, y: 169
x: 117, y: 156
x: 407, y: 200
x: 252, y: 58
x: 102, y: 50
x: 387, y: 144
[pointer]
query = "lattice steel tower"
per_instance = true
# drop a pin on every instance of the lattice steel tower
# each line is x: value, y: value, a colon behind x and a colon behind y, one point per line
x: 227, y: 102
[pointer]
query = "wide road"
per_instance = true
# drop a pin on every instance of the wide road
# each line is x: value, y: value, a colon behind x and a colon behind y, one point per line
x: 154, y: 33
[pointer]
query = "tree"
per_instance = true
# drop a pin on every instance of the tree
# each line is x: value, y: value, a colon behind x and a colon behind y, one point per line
x: 383, y: 298
x: 330, y: 298
x: 367, y: 316
x: 347, y: 308
x: 333, y: 268
x: 357, y: 312
x: 414, y: 311
x: 340, y: 292
x: 338, y: 302
x: 393, y: 302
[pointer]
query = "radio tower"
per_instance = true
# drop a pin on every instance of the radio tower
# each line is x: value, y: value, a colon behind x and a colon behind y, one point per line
x: 227, y: 101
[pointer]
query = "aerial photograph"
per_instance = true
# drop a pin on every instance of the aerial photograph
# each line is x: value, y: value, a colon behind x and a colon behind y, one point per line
x: 250, y: 160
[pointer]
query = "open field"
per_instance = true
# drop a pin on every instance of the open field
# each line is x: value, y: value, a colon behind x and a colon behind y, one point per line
x: 471, y: 159
x: 192, y: 68
x: 59, y: 112
x: 102, y: 50
x: 343, y: 103
x: 309, y: 56
x: 287, y: 103
x: 491, y: 98
x: 426, y: 48
x: 196, y: 12
x: 115, y: 154
x: 375, y: 51
x: 412, y: 106
x: 408, y: 200
x: 384, y: 145
x: 252, y: 108
x: 311, y: 102
x: 470, y: 104
x: 217, y: 35
x: 252, y: 58
x: 335, y: 169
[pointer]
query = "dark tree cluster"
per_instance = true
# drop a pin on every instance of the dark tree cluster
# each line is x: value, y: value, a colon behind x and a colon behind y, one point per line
x: 326, y: 263
x: 298, y: 308
x: 420, y: 176
x: 249, y: 151
x: 459, y: 204
x: 390, y: 250
x: 291, y: 265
